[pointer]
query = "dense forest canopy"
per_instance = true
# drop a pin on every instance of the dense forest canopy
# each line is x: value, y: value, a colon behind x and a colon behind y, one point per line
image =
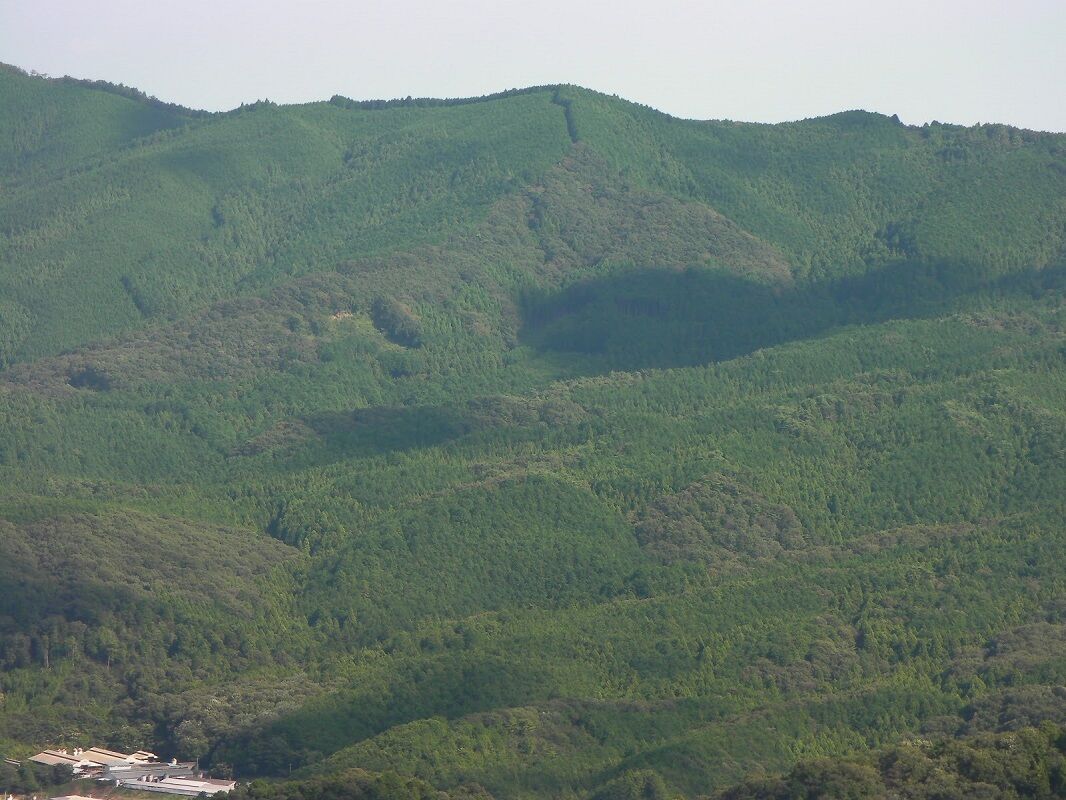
x: 530, y: 446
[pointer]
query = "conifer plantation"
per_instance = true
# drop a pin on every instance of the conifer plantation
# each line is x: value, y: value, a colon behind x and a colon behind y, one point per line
x: 536, y: 445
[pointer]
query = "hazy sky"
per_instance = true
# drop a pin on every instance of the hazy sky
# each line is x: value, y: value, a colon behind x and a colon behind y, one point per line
x: 961, y: 61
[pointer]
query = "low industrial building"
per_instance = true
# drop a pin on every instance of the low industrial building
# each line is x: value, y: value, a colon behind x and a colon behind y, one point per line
x: 77, y: 763
x: 94, y: 760
x: 150, y: 770
x: 106, y: 757
x: 189, y: 787
x: 142, y: 771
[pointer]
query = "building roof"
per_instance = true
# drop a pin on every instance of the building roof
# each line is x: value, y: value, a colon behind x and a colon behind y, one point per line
x: 184, y: 786
x: 103, y: 756
x: 93, y: 757
x: 52, y: 758
x: 149, y: 767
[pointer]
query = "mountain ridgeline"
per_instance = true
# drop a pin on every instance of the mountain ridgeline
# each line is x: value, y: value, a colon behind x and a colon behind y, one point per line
x: 538, y: 445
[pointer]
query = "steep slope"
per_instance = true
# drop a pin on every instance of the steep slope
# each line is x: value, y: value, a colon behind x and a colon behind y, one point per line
x: 840, y: 194
x: 52, y: 127
x: 242, y: 201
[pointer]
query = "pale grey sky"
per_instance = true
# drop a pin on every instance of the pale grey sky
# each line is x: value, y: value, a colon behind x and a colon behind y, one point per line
x: 961, y: 61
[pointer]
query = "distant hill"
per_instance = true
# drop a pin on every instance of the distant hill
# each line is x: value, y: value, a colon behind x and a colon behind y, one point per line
x: 534, y: 445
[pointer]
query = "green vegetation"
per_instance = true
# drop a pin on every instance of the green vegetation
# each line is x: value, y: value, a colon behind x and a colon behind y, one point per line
x: 1028, y: 763
x: 535, y: 445
x: 27, y: 777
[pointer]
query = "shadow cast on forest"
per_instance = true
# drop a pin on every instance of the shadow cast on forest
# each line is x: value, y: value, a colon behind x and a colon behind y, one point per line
x: 645, y: 318
x: 656, y: 318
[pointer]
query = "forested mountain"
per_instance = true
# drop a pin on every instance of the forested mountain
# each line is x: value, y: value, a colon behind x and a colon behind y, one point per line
x: 534, y: 445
